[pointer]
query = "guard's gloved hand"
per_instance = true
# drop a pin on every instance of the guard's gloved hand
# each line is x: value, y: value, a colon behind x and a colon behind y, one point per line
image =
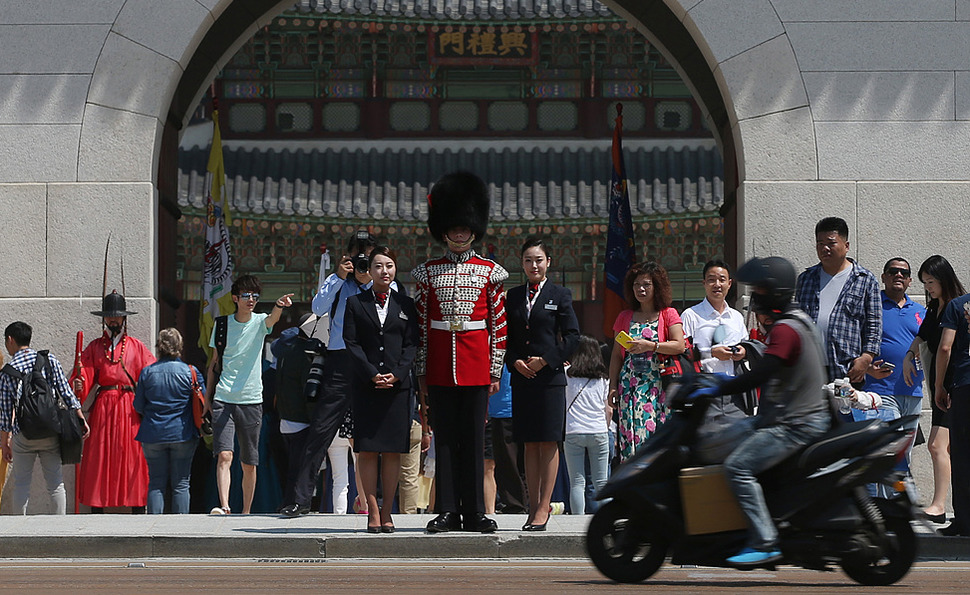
x: 712, y: 390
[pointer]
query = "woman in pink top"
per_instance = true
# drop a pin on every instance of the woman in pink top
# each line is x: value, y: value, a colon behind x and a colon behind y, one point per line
x: 656, y: 328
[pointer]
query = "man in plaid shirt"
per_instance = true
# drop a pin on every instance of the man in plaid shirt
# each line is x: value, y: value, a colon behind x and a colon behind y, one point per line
x: 18, y: 449
x: 844, y: 301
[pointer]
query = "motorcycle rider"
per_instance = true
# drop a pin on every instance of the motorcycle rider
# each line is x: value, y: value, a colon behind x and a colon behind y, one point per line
x: 792, y: 411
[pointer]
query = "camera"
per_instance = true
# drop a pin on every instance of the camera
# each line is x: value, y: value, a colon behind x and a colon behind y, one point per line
x: 316, y: 352
x: 358, y: 245
x: 360, y: 263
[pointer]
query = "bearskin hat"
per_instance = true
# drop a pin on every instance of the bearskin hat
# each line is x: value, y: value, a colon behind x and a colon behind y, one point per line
x: 458, y: 199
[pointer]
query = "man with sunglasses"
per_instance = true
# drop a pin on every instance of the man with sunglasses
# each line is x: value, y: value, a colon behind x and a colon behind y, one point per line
x: 901, y: 318
x: 842, y: 298
x: 236, y: 399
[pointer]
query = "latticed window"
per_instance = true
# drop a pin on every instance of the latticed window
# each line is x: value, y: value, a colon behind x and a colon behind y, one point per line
x: 458, y: 116
x: 294, y: 117
x: 340, y: 117
x: 247, y: 117
x: 673, y: 115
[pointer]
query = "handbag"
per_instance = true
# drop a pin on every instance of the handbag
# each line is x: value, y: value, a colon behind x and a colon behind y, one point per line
x: 71, y: 438
x: 198, y: 400
x: 675, y: 366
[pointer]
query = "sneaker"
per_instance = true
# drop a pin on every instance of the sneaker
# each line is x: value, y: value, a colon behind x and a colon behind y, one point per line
x: 750, y: 557
x: 218, y: 510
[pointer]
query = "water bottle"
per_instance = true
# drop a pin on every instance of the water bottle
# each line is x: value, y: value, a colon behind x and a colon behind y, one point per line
x: 843, y: 389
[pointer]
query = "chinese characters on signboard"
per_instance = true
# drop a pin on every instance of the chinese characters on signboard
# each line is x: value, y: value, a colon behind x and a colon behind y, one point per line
x: 466, y: 46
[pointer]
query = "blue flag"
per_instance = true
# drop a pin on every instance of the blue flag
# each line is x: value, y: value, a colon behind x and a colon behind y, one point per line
x: 620, y: 253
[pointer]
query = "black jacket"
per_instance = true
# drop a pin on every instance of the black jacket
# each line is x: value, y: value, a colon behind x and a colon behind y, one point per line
x: 381, y: 350
x: 550, y: 332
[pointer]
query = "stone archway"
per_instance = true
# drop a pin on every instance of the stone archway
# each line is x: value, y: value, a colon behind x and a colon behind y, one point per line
x: 147, y: 80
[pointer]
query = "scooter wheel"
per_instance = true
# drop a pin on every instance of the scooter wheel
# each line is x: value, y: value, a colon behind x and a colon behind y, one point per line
x: 623, y: 545
x: 895, y: 561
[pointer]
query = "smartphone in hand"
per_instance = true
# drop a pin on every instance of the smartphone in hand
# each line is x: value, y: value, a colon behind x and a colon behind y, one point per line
x: 624, y: 339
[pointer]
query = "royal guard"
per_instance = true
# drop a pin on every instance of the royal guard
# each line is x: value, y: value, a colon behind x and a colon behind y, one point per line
x: 461, y: 309
x: 113, y: 468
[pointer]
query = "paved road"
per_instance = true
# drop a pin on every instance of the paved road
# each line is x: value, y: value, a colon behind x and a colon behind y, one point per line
x: 433, y: 576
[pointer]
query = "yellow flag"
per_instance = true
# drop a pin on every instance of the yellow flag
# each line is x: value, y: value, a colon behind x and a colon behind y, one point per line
x: 216, y: 299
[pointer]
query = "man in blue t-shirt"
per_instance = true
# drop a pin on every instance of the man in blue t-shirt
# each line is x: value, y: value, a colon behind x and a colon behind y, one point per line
x: 954, y: 353
x: 901, y: 318
x: 236, y: 399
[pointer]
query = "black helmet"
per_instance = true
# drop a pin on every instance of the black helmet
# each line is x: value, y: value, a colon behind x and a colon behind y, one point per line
x: 112, y: 305
x: 773, y: 274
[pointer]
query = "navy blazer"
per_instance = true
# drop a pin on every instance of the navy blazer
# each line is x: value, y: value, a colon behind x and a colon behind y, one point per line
x: 550, y: 332
x: 381, y: 350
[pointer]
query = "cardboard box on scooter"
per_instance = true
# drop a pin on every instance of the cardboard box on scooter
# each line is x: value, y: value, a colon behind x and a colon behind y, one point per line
x: 709, y: 505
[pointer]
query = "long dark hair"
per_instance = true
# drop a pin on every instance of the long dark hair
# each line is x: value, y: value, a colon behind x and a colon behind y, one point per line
x: 940, y: 269
x: 587, y: 360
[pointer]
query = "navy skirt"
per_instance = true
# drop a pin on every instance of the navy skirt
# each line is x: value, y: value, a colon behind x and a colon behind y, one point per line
x: 538, y: 412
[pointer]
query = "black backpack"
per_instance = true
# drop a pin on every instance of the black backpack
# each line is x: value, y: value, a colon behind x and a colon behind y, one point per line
x: 35, y: 407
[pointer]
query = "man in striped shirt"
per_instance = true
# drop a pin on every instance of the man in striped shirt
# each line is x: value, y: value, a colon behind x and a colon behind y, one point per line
x: 18, y: 449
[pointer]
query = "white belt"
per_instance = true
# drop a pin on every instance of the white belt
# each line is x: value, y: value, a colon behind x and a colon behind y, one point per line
x: 457, y: 326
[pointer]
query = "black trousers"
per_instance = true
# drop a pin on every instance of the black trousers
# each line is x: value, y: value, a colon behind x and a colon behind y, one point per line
x: 295, y: 447
x: 327, y: 417
x: 508, y: 479
x: 960, y: 455
x: 458, y: 421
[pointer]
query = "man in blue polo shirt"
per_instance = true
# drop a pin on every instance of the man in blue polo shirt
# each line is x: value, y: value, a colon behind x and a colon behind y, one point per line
x: 901, y: 318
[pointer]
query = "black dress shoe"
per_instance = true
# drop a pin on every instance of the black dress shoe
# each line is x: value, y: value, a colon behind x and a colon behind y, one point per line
x: 479, y: 523
x: 444, y: 522
x: 294, y: 510
x: 534, y: 527
x: 953, y: 530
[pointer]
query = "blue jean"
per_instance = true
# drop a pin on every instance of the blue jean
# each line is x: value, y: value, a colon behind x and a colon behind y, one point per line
x: 169, y: 461
x: 905, y: 405
x: 763, y: 449
x: 575, y: 448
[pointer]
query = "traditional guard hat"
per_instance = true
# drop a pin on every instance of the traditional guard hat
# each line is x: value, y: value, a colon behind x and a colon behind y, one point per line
x: 112, y: 305
x: 459, y: 199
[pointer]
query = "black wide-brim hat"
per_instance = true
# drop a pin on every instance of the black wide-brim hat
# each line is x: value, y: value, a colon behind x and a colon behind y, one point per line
x: 113, y: 305
x: 459, y: 199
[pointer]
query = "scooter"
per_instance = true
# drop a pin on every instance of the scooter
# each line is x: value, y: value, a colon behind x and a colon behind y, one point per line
x: 817, y: 498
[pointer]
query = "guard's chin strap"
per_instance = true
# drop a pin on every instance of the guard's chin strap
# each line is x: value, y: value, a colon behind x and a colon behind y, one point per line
x: 460, y: 246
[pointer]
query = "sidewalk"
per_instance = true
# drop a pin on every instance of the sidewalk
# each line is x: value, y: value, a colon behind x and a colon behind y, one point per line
x: 311, y: 537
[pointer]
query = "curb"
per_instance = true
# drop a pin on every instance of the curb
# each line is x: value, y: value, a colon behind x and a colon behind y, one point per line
x: 401, y: 546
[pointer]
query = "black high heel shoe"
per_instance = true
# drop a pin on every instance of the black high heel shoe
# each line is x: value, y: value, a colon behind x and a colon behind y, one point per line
x: 534, y: 527
x: 376, y: 529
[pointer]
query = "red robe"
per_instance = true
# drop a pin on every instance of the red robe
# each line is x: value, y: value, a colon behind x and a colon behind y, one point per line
x: 113, y: 467
x: 462, y: 288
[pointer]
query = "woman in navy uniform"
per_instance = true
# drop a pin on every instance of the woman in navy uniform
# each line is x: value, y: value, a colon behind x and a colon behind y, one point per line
x: 381, y: 333
x: 543, y: 333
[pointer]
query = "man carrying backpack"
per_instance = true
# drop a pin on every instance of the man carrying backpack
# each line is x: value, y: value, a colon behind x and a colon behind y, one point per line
x: 30, y: 409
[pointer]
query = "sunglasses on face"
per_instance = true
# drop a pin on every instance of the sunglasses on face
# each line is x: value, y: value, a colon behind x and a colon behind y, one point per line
x: 893, y: 271
x: 249, y: 296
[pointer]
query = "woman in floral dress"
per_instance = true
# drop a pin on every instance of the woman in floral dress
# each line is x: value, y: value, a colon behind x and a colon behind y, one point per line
x: 655, y: 327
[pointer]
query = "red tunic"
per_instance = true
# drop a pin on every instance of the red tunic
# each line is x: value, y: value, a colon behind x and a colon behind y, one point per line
x: 464, y: 289
x: 113, y: 467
